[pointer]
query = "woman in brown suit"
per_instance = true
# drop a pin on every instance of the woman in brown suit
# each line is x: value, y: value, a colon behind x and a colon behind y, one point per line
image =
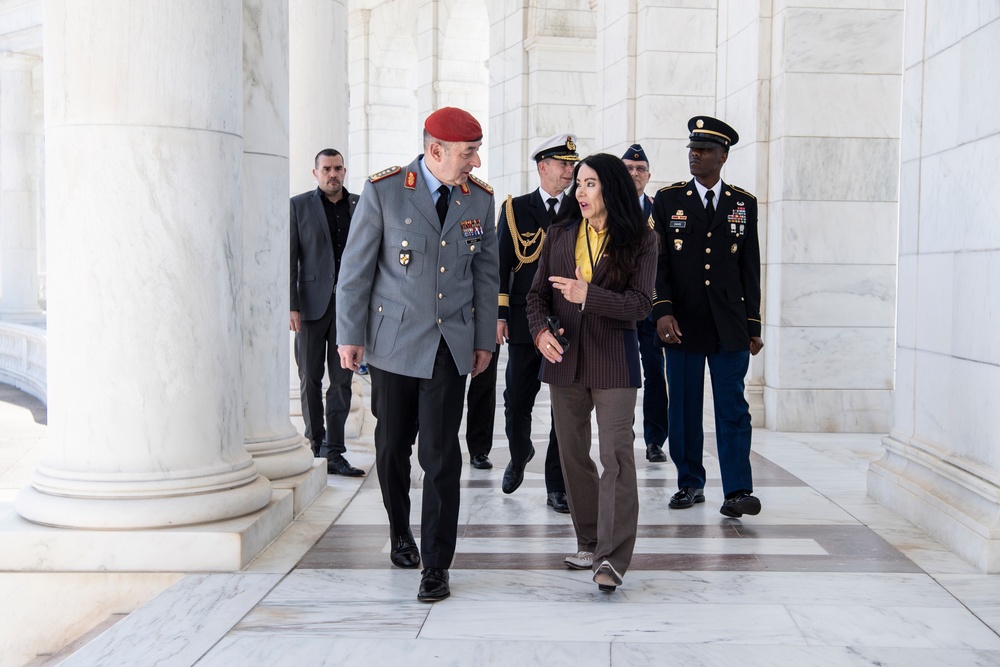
x: 596, y: 275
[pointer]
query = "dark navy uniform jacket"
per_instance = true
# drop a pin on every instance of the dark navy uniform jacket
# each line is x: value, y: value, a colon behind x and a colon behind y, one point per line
x: 708, y: 274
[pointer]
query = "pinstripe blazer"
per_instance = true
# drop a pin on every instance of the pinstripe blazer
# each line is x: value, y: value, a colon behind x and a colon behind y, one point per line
x: 604, y: 348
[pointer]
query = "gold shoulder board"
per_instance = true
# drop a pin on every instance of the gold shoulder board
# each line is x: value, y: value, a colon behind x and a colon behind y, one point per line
x: 741, y: 190
x: 481, y: 183
x: 385, y: 173
x: 670, y: 187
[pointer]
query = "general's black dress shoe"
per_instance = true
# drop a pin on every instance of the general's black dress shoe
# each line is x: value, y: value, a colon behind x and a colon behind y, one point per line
x: 513, y: 475
x: 740, y: 504
x: 316, y: 445
x: 404, y: 551
x: 654, y: 453
x: 686, y: 497
x: 481, y: 462
x: 340, y: 466
x: 557, y: 501
x: 433, y: 585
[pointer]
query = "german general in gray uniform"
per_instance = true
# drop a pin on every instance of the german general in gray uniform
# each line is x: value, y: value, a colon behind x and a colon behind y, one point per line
x: 417, y: 299
x: 707, y: 308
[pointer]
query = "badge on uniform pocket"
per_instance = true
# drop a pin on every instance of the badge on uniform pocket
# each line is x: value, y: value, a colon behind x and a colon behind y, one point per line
x: 678, y: 244
x: 404, y: 257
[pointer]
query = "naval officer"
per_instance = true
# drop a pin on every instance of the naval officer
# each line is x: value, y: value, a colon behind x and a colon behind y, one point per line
x: 418, y: 300
x: 707, y: 309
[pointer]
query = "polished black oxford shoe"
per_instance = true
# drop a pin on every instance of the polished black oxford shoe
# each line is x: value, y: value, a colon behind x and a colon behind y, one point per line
x: 340, y: 466
x: 513, y: 475
x: 654, y: 453
x: 481, y: 462
x: 557, y: 501
x: 740, y: 504
x: 433, y: 585
x: 404, y: 551
x: 686, y: 497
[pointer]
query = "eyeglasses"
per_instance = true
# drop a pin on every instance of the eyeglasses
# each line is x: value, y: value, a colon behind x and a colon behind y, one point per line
x: 637, y: 169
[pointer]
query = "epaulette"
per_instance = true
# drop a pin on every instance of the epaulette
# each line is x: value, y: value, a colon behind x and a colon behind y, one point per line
x: 385, y: 173
x: 483, y: 184
x: 738, y: 189
x: 675, y: 185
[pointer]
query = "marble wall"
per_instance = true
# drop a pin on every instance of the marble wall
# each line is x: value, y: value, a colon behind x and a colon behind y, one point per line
x: 542, y: 82
x: 941, y: 467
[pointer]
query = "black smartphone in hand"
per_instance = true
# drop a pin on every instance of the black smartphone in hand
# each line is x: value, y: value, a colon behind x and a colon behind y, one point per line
x: 554, y: 326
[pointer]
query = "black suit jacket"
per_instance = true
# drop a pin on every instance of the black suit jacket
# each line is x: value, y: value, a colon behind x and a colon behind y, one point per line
x: 530, y: 216
x: 313, y: 265
x: 708, y: 274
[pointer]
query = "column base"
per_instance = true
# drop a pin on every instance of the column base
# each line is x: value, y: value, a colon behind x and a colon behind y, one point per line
x: 223, y: 546
x: 954, y: 500
x: 130, y: 505
x: 281, y: 457
x: 306, y: 486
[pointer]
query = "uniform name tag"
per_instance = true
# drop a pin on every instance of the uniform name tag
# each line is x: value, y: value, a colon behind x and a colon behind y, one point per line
x: 678, y: 223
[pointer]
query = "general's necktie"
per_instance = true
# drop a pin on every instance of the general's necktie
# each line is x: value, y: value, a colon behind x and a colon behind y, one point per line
x: 442, y: 202
x: 552, y: 201
x: 710, y: 205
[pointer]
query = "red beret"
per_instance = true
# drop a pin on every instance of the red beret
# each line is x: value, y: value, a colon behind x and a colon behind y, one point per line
x: 453, y: 124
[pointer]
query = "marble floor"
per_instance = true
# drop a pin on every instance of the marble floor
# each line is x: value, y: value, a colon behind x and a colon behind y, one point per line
x: 823, y: 576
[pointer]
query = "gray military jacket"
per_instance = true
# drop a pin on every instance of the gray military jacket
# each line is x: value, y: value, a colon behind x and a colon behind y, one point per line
x: 406, y: 280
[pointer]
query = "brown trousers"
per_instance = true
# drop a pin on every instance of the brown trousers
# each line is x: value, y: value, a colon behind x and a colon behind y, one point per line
x: 605, y: 507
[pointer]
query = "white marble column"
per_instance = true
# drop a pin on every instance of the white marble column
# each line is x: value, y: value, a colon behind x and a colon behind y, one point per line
x: 271, y: 439
x: 318, y: 90
x: 144, y: 121
x: 941, y: 468
x: 18, y: 176
x: 820, y: 148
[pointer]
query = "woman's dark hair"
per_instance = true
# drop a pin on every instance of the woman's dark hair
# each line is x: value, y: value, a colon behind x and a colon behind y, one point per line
x: 627, y: 231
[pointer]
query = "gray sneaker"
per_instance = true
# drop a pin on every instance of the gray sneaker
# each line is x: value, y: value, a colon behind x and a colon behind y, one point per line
x: 581, y: 560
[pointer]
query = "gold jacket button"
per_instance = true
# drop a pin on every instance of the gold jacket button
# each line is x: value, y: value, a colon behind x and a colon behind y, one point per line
x: 708, y: 250
x: 442, y: 269
x: 439, y: 320
x: 708, y: 266
x: 472, y: 248
x: 440, y: 296
x: 708, y: 282
x: 444, y: 243
x: 406, y: 244
x: 380, y: 309
x: 710, y: 235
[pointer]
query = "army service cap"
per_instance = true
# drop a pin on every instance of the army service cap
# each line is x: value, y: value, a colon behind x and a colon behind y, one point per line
x: 708, y: 132
x: 558, y: 147
x: 453, y: 124
x: 635, y: 153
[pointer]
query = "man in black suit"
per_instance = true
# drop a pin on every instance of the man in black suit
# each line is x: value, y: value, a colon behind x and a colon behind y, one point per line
x: 707, y: 309
x: 654, y: 365
x: 320, y: 221
x: 522, y: 226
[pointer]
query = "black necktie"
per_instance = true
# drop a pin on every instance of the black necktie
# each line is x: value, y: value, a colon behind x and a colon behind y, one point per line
x: 442, y: 203
x: 709, y: 206
x: 552, y: 201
